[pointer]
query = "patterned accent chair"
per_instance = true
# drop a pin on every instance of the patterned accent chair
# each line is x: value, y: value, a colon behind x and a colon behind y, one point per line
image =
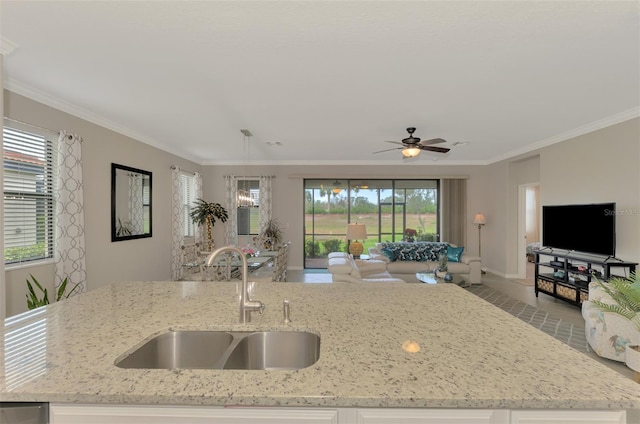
x: 607, y: 333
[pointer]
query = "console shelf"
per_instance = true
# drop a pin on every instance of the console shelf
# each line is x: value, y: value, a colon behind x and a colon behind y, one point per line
x: 567, y: 276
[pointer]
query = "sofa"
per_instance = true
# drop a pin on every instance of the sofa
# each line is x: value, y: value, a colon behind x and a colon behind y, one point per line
x: 404, y: 259
x: 608, y: 333
x: 344, y: 268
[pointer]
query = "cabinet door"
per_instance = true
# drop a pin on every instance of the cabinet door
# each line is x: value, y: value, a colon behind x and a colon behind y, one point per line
x: 127, y: 414
x: 568, y: 417
x: 432, y: 416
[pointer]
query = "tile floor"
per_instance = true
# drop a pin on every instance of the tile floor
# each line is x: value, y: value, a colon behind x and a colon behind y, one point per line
x: 517, y: 290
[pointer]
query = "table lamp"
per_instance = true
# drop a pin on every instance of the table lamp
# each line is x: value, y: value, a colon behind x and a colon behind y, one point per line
x: 356, y: 232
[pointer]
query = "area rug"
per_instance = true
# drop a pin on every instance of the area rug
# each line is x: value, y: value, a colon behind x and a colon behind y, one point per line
x: 564, y: 331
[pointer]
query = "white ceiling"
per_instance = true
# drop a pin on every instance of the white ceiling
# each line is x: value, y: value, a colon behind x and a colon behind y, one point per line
x: 331, y: 81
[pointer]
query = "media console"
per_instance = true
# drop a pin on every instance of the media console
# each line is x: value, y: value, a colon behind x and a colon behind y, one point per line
x: 566, y: 275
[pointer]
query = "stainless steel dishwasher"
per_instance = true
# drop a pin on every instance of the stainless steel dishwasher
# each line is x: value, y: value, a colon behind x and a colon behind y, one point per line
x: 24, y: 413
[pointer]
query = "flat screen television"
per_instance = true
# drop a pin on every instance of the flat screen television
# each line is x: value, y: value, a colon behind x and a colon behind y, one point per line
x: 581, y: 228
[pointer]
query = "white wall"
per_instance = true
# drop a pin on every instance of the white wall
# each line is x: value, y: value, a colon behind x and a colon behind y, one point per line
x: 599, y: 167
x: 143, y: 259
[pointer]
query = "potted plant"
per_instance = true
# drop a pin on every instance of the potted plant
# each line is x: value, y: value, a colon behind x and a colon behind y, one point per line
x: 271, y: 235
x: 34, y: 301
x: 410, y: 234
x: 205, y: 213
x: 625, y: 293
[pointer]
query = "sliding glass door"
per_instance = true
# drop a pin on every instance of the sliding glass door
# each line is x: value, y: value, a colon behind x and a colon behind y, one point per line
x: 392, y: 210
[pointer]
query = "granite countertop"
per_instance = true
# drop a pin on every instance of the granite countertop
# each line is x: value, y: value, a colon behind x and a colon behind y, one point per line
x: 473, y: 355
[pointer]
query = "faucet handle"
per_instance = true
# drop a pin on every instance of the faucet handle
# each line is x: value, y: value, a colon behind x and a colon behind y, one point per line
x: 286, y: 311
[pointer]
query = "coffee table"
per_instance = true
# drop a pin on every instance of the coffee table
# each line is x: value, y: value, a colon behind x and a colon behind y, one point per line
x: 430, y: 277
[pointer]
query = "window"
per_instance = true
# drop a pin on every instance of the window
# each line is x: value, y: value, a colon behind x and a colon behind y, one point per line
x: 248, y: 207
x: 28, y: 195
x: 188, y: 196
x: 387, y: 207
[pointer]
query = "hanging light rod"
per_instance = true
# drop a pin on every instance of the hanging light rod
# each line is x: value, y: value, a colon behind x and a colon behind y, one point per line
x: 246, y: 133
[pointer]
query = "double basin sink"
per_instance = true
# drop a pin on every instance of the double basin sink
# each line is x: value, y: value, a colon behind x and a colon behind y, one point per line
x: 226, y: 350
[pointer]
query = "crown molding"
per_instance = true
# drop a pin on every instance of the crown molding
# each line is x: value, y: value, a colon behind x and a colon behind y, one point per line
x: 64, y: 106
x: 576, y: 132
x: 398, y: 162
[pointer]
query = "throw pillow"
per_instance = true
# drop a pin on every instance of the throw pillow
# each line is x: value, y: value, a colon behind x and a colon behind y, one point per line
x: 389, y: 254
x: 454, y: 253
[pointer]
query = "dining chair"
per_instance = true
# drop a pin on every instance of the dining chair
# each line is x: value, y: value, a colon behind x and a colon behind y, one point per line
x: 278, y: 270
x: 192, y: 262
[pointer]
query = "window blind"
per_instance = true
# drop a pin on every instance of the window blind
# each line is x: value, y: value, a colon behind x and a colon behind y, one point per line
x: 28, y: 196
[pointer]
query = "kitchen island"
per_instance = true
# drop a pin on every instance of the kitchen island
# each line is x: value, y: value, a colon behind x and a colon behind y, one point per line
x: 472, y: 355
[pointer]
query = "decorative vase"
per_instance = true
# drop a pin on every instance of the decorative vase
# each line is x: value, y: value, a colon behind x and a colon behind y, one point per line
x: 443, y: 258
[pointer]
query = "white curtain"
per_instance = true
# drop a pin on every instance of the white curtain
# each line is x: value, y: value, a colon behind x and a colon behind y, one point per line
x: 69, y: 217
x: 454, y: 211
x: 231, y: 204
x: 177, y: 223
x: 265, y: 201
x: 199, y: 230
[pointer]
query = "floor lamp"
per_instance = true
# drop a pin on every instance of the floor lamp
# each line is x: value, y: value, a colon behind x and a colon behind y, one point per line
x: 480, y: 220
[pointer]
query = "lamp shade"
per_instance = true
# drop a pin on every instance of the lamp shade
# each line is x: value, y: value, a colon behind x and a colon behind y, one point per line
x: 479, y: 219
x: 356, y: 231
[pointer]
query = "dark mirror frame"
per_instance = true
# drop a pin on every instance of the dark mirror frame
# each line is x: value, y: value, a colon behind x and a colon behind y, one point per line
x: 114, y: 168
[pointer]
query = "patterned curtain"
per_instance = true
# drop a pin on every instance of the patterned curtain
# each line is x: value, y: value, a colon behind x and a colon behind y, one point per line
x: 231, y: 204
x: 199, y: 230
x: 177, y: 223
x: 69, y: 217
x: 265, y: 201
x: 454, y: 210
x: 136, y: 211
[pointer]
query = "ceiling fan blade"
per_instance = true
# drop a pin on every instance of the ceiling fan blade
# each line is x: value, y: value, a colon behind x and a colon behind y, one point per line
x: 387, y: 150
x: 433, y: 141
x: 395, y: 142
x: 434, y: 149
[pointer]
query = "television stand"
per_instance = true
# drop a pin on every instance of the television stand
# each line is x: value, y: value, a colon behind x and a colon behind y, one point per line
x: 567, y: 275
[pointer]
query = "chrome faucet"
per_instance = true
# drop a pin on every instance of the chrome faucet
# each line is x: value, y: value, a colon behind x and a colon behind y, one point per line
x: 246, y: 304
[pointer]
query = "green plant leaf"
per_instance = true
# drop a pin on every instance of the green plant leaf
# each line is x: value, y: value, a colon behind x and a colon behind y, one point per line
x: 61, y: 289
x: 625, y: 293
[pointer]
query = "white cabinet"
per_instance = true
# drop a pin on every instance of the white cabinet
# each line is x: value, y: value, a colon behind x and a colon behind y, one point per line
x: 127, y: 414
x: 428, y: 416
x: 134, y: 414
x: 568, y: 417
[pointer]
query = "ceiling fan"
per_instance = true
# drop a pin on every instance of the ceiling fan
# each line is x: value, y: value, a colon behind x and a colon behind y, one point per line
x: 411, y: 145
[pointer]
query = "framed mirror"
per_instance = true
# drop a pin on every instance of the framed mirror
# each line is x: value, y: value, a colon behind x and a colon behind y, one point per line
x: 130, y: 203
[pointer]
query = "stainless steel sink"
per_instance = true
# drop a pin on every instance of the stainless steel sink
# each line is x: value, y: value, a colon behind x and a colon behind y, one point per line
x: 180, y: 349
x: 274, y: 350
x: 231, y: 350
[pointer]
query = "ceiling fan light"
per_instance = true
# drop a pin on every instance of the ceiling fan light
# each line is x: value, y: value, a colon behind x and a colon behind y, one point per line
x: 410, y: 152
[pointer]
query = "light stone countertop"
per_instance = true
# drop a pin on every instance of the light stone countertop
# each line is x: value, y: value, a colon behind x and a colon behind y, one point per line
x: 473, y: 355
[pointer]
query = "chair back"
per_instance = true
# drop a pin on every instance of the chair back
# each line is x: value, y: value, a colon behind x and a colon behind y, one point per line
x: 281, y: 263
x: 191, y: 260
